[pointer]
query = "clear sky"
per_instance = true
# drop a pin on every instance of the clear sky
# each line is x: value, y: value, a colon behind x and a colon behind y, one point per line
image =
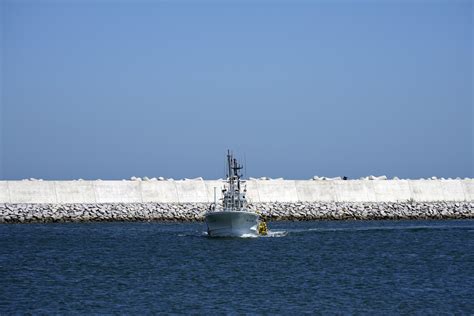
x: 114, y: 89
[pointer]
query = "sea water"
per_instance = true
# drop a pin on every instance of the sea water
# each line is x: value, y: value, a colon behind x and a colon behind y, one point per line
x: 424, y: 267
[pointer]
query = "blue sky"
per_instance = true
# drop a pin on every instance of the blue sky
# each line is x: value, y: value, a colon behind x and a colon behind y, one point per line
x: 113, y: 89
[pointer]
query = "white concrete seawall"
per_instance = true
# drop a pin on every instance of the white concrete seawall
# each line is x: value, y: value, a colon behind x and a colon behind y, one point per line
x: 187, y: 191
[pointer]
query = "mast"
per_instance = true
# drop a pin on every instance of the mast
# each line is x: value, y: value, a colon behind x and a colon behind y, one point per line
x: 233, y: 195
x: 229, y: 171
x: 231, y: 178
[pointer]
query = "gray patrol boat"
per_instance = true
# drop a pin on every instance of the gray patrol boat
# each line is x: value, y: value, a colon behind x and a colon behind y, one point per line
x: 233, y: 218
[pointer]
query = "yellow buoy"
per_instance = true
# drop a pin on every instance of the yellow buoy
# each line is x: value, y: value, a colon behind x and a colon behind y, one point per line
x: 262, y: 228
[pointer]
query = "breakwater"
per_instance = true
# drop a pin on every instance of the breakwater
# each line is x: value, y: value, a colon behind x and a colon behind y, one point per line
x: 258, y: 191
x: 187, y: 200
x: 44, y: 213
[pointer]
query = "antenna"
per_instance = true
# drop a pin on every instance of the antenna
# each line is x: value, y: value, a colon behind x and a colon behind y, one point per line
x: 225, y: 168
x: 245, y: 165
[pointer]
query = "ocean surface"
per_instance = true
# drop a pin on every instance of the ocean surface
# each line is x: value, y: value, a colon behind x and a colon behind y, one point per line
x: 376, y: 267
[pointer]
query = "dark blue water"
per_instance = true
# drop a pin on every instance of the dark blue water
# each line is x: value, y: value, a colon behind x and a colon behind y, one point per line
x: 344, y: 267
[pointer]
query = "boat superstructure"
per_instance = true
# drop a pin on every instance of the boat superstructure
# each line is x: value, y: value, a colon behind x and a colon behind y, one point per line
x: 233, y: 218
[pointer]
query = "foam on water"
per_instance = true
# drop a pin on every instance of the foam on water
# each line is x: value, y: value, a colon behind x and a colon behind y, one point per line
x: 411, y: 228
x: 271, y: 233
x: 284, y: 232
x: 276, y: 233
x: 249, y: 236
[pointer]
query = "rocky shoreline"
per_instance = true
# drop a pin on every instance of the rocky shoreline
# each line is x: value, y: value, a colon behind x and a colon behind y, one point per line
x: 190, y: 212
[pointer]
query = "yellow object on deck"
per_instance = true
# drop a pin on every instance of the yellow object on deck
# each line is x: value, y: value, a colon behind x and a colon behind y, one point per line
x: 262, y: 228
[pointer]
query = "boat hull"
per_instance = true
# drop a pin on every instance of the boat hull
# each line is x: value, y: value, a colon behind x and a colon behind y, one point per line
x: 232, y: 224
